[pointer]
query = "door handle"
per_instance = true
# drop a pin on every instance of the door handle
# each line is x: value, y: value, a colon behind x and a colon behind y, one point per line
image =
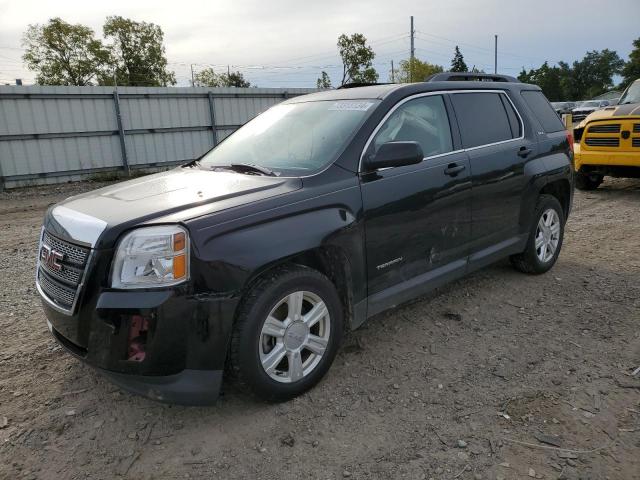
x: 524, y: 152
x: 453, y: 169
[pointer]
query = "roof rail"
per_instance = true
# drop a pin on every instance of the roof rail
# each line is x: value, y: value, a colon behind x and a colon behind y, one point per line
x: 359, y: 84
x: 470, y: 77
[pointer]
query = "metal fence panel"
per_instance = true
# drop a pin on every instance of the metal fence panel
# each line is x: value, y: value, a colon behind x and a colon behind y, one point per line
x: 57, y: 134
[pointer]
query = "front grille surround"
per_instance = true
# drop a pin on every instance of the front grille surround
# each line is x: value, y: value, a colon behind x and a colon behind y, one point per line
x: 62, y: 288
x: 602, y: 141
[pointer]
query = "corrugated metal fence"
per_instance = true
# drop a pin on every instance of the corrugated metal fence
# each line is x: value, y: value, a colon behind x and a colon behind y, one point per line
x: 57, y: 134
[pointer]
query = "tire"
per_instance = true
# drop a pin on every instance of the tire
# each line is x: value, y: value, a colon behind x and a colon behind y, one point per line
x: 533, y: 260
x: 256, y: 345
x: 588, y: 182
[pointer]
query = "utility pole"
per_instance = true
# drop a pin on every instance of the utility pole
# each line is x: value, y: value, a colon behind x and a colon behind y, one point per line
x: 413, y: 51
x: 393, y: 78
x: 193, y: 83
x: 495, y: 54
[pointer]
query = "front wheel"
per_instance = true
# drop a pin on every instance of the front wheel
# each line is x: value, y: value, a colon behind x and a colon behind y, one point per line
x: 545, y: 239
x: 287, y: 333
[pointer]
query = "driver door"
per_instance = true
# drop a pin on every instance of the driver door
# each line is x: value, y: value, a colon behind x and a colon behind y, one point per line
x: 417, y: 217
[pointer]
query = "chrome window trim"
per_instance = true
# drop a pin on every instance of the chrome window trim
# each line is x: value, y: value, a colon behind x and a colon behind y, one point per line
x: 443, y: 92
x: 45, y: 297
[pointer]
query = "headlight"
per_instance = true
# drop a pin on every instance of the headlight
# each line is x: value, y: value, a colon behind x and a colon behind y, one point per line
x: 152, y: 257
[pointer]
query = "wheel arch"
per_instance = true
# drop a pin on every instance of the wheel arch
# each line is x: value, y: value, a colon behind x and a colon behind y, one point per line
x: 330, y: 260
x: 561, y: 190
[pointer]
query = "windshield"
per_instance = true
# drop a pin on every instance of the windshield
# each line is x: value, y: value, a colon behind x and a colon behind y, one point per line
x: 632, y: 94
x: 590, y: 104
x: 294, y: 138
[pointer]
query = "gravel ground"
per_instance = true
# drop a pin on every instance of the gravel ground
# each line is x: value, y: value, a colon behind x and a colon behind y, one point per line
x: 497, y: 376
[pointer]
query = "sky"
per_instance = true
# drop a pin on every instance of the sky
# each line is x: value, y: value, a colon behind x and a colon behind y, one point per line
x: 287, y: 43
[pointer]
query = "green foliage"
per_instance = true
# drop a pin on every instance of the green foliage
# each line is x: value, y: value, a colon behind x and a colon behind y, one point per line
x: 583, y: 80
x: 549, y: 79
x: 138, y: 53
x: 631, y: 70
x: 209, y: 78
x: 64, y: 54
x: 324, y: 81
x: 457, y: 64
x: 356, y: 59
x: 414, y: 70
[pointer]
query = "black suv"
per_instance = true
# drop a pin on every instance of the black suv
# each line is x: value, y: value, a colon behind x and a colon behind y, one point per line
x: 316, y: 215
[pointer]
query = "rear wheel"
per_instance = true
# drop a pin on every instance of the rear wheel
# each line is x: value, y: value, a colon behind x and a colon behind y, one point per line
x: 586, y: 181
x: 287, y: 333
x: 545, y: 239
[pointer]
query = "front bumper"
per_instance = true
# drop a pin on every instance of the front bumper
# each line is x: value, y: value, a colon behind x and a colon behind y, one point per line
x: 603, y: 157
x: 185, y: 344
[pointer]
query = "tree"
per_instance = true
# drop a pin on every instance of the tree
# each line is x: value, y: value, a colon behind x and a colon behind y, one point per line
x: 209, y: 78
x: 457, y: 64
x: 549, y: 79
x: 64, y: 54
x: 631, y: 69
x: 356, y: 59
x: 414, y: 70
x: 138, y: 52
x: 324, y: 81
x: 593, y: 74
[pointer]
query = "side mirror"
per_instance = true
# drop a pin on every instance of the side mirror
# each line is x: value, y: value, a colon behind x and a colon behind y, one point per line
x: 394, y: 154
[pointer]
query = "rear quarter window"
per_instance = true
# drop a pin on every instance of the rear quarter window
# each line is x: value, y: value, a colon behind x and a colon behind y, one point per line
x: 543, y: 111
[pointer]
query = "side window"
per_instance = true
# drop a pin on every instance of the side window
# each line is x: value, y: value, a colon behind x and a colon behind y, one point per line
x: 483, y: 119
x: 423, y: 120
x: 543, y: 111
x: 516, y: 126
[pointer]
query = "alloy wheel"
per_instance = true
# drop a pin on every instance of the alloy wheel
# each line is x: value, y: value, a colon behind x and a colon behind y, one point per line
x: 547, y: 235
x: 294, y: 336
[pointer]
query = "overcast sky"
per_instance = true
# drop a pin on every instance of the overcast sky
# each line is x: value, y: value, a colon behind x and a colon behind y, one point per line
x: 287, y: 43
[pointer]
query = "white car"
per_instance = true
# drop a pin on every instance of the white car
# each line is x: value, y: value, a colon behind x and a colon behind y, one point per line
x: 585, y: 108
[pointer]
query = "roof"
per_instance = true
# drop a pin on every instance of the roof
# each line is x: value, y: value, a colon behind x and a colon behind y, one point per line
x: 383, y: 91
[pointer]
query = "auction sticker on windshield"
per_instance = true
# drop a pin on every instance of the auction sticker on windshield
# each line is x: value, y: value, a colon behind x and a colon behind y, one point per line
x: 351, y: 105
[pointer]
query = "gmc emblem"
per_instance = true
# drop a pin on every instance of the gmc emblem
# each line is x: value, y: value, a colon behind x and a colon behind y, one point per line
x: 51, y: 258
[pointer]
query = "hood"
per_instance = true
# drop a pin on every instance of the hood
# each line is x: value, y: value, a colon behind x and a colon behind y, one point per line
x: 84, y: 217
x: 631, y: 109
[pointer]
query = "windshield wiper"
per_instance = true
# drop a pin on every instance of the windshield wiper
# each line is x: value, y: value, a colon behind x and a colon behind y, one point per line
x: 250, y: 168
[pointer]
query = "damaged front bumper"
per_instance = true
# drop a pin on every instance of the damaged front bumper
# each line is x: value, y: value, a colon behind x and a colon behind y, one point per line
x: 165, y: 344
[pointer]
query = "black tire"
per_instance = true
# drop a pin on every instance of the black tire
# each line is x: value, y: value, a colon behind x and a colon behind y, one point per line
x: 528, y: 261
x: 588, y: 182
x: 244, y: 363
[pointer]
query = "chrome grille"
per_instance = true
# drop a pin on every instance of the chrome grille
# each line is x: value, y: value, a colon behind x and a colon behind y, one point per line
x: 74, y: 253
x: 602, y: 142
x: 61, y: 295
x: 611, y: 128
x: 60, y: 283
x: 635, y: 142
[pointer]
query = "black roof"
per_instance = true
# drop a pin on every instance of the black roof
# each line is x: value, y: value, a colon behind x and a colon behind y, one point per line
x: 382, y: 91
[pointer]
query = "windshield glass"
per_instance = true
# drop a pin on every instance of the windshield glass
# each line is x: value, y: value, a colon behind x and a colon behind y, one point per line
x: 632, y: 94
x: 293, y: 139
x: 590, y: 104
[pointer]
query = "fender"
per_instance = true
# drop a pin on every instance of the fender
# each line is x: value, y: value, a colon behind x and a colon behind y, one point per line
x: 226, y: 258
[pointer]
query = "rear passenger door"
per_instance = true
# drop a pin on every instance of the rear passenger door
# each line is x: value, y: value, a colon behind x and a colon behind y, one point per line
x: 492, y: 133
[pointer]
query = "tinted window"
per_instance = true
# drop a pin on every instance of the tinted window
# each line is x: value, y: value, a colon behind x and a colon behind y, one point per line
x: 514, y: 123
x: 423, y: 120
x: 544, y: 112
x: 482, y: 118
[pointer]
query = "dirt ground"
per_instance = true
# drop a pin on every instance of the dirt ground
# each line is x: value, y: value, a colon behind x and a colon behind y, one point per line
x: 497, y: 376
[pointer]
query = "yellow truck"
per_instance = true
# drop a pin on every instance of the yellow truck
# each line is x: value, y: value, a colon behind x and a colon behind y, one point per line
x: 608, y: 142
